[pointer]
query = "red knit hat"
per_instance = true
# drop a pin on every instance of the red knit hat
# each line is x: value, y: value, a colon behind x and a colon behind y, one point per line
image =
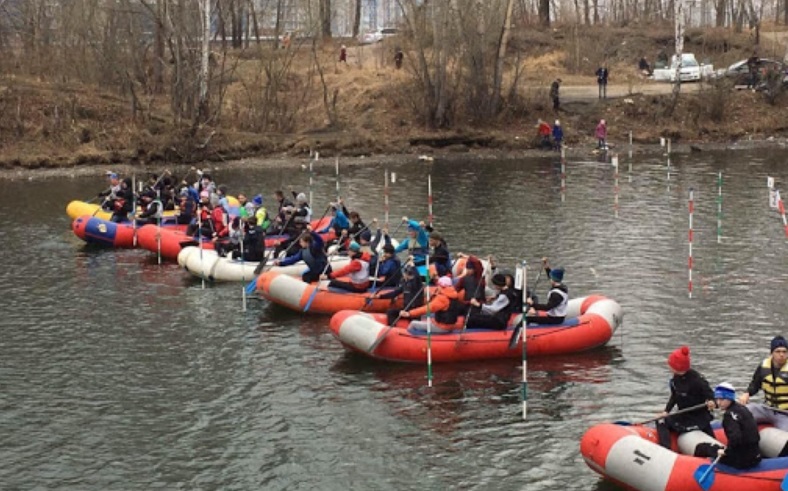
x: 679, y: 360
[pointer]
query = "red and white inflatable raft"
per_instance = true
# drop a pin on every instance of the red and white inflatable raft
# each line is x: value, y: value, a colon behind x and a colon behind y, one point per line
x: 591, y: 322
x: 631, y: 457
x: 294, y: 293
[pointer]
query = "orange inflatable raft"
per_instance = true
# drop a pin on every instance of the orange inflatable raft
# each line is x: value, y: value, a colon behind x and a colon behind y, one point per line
x: 591, y: 322
x: 631, y: 457
x: 171, y: 241
x: 295, y: 294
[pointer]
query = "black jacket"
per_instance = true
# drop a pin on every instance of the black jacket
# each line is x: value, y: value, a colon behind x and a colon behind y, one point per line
x: 687, y: 390
x: 741, y: 430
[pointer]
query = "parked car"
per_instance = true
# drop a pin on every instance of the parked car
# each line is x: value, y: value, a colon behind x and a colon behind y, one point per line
x: 739, y: 72
x: 376, y: 36
x: 691, y: 70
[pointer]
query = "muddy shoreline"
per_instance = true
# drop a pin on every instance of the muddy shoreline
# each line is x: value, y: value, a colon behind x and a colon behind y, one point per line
x: 430, y: 155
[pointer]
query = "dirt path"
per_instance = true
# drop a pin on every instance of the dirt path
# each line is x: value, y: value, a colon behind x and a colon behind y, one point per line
x: 589, y: 93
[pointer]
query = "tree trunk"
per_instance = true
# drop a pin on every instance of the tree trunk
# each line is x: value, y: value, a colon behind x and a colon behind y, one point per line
x: 160, y: 34
x: 544, y: 13
x: 206, y: 34
x: 503, y: 43
x: 587, y: 11
x: 722, y: 8
x: 357, y: 18
x: 278, y: 24
x: 325, y: 18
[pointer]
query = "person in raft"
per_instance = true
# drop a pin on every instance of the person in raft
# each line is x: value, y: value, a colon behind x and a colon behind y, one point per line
x: 494, y: 315
x: 440, y: 257
x: 445, y: 307
x: 410, y: 288
x: 687, y: 388
x: 387, y: 268
x: 557, y: 299
x: 741, y: 431
x: 416, y: 243
x: 312, y: 253
x: 471, y: 284
x: 771, y: 376
x: 357, y: 269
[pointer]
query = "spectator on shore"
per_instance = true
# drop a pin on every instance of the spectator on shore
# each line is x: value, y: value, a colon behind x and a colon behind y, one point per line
x: 645, y: 67
x: 601, y: 135
x: 544, y: 131
x: 398, y: 56
x: 343, y: 54
x: 554, y: 88
x: 602, y: 74
x: 558, y: 135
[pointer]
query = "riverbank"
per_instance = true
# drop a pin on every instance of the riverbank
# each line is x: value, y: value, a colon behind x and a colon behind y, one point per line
x: 63, y: 127
x: 478, y: 156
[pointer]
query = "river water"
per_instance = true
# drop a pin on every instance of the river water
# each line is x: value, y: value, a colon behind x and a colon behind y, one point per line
x: 118, y: 373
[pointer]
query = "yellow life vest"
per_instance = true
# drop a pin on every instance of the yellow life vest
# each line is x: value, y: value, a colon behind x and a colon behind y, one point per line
x: 775, y: 385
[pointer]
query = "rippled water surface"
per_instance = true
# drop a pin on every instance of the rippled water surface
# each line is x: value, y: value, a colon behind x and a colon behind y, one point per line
x: 117, y: 373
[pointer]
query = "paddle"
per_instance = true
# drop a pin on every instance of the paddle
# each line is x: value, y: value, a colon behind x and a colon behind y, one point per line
x: 784, y: 484
x: 521, y: 326
x: 317, y: 286
x: 250, y: 287
x: 266, y: 257
x: 385, y: 332
x: 704, y: 474
x: 375, y: 295
x: 468, y: 315
x: 674, y: 413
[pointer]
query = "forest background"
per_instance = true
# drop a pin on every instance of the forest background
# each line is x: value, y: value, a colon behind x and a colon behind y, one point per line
x: 152, y: 81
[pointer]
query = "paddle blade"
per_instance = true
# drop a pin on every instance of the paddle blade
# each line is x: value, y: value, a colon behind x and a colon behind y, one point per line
x: 252, y: 286
x: 515, y: 337
x: 704, y: 476
x: 784, y: 484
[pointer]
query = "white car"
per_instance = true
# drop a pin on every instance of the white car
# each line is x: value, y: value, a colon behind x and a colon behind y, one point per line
x: 377, y: 36
x: 691, y: 70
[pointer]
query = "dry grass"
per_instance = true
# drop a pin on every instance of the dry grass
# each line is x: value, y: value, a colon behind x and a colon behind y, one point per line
x: 376, y: 104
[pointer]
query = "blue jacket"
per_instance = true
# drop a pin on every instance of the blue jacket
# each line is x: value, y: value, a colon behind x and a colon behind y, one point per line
x: 339, y: 221
x: 558, y: 133
x: 421, y: 248
x: 319, y: 257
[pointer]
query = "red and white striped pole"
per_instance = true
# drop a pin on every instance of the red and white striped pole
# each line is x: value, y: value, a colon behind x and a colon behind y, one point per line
x: 781, y: 207
x: 691, y: 211
x: 429, y: 199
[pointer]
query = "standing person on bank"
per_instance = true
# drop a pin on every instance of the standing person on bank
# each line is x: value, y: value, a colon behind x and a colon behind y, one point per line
x: 554, y: 88
x: 602, y: 74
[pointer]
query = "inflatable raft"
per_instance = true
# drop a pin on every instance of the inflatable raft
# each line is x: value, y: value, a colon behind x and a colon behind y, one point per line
x: 172, y: 241
x: 631, y: 457
x: 76, y: 209
x: 95, y: 230
x: 293, y: 293
x: 214, y: 267
x: 591, y: 322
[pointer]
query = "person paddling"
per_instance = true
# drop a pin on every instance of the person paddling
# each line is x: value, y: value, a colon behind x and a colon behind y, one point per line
x: 741, y: 432
x: 687, y: 388
x: 557, y: 299
x: 444, y: 306
x: 410, y: 288
x: 357, y: 269
x: 311, y: 252
x: 494, y: 315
